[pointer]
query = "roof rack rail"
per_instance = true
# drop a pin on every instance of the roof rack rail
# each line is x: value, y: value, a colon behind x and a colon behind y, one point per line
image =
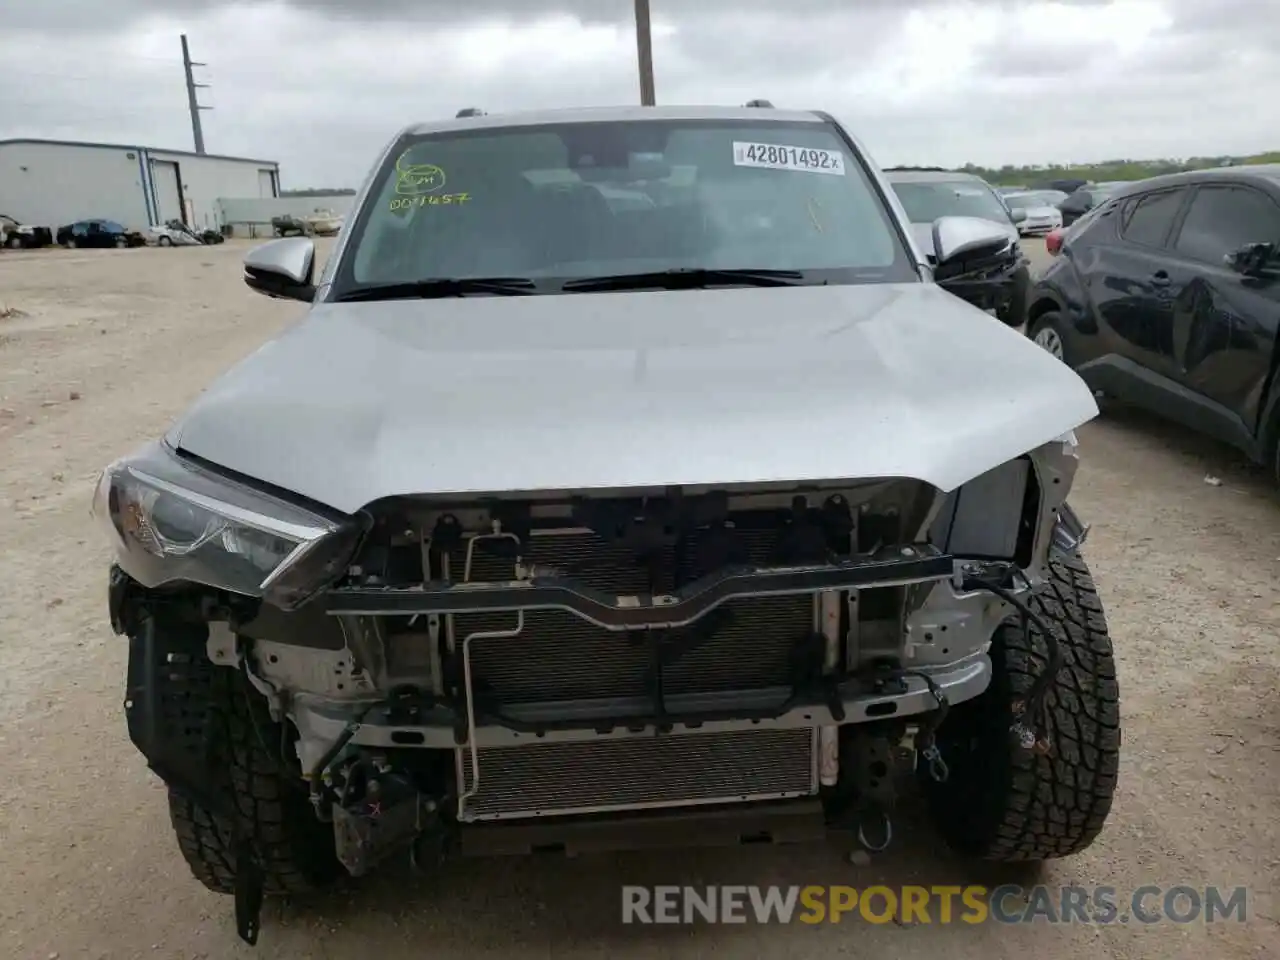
x: 766, y: 104
x: 470, y: 112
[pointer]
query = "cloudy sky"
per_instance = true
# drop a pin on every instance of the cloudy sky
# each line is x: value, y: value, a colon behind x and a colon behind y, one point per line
x: 320, y: 85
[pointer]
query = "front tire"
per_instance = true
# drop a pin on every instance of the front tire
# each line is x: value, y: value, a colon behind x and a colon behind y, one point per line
x: 294, y: 848
x: 1014, y: 313
x: 1008, y: 806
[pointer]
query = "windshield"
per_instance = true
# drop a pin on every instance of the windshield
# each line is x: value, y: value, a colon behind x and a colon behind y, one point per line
x: 926, y: 202
x: 577, y: 201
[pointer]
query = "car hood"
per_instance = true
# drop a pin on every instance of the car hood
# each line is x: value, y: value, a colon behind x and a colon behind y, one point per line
x: 362, y: 401
x: 922, y: 233
x: 1042, y: 211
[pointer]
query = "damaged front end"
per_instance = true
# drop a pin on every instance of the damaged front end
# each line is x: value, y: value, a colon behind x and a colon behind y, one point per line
x: 502, y: 671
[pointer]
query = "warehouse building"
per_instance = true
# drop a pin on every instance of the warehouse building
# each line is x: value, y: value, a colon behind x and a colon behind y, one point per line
x: 56, y: 182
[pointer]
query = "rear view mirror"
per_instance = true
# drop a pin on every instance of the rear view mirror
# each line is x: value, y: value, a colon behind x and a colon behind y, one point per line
x: 1260, y: 260
x: 955, y: 238
x: 1018, y: 215
x: 282, y: 269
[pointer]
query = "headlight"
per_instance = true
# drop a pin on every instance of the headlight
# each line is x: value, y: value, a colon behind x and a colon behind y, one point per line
x: 171, y: 520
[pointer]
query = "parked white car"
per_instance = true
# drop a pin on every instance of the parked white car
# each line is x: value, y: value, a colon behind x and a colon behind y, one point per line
x: 325, y: 223
x: 1043, y: 215
x: 172, y: 234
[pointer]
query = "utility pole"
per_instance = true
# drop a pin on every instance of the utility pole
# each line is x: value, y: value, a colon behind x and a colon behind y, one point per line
x: 644, y: 50
x: 192, y: 103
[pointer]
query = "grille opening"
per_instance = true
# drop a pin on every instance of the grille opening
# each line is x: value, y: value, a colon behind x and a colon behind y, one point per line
x: 749, y: 644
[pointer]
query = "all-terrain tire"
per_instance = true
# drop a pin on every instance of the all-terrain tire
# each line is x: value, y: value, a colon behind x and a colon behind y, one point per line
x: 1006, y: 805
x: 294, y: 848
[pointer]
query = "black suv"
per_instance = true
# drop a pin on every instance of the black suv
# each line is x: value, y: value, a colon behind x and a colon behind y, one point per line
x: 1167, y: 295
x: 1083, y: 199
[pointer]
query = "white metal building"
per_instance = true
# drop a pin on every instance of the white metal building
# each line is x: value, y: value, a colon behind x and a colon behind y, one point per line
x: 56, y: 182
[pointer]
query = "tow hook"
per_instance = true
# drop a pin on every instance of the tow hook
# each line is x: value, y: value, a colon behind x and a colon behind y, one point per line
x: 886, y: 831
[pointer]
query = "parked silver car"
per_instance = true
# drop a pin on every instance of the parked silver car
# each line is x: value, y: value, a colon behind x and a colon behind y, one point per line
x: 997, y: 284
x: 562, y: 520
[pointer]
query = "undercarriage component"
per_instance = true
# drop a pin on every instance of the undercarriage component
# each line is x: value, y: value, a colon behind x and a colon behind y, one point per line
x: 776, y: 823
x: 871, y: 763
x: 635, y: 773
x: 388, y: 818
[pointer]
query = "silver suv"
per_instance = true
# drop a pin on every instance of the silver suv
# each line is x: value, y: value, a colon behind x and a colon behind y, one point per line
x: 627, y: 474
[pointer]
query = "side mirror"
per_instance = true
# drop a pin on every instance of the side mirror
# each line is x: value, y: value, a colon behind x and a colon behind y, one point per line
x: 282, y: 269
x: 957, y: 237
x: 1018, y: 215
x: 1257, y: 260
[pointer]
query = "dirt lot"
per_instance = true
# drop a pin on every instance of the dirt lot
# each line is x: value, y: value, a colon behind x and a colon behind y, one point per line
x: 112, y: 344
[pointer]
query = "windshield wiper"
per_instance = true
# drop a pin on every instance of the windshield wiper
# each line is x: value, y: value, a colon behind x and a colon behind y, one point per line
x: 442, y: 287
x: 686, y: 278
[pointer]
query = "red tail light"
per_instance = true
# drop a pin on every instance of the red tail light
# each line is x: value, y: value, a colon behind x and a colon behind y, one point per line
x: 1053, y: 242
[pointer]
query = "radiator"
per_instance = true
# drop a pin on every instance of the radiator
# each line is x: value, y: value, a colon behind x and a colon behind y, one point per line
x: 557, y: 656
x: 635, y: 773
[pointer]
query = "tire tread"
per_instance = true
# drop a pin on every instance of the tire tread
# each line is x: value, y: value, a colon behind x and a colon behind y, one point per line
x: 1027, y: 807
x: 294, y: 848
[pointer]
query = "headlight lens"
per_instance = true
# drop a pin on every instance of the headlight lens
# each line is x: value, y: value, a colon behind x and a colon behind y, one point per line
x: 171, y: 520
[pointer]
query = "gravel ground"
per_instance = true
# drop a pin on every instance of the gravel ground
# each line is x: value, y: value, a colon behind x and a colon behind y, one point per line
x: 110, y: 345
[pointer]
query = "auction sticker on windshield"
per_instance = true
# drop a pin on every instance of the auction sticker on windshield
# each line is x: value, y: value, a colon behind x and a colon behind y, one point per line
x: 775, y: 156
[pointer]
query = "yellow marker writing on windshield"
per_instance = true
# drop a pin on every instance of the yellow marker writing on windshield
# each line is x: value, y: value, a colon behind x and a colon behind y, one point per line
x: 434, y: 200
x: 418, y: 179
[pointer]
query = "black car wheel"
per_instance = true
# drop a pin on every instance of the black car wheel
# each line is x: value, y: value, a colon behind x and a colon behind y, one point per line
x: 14, y: 242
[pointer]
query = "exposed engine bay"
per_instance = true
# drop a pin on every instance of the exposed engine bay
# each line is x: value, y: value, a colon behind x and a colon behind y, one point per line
x: 570, y: 657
